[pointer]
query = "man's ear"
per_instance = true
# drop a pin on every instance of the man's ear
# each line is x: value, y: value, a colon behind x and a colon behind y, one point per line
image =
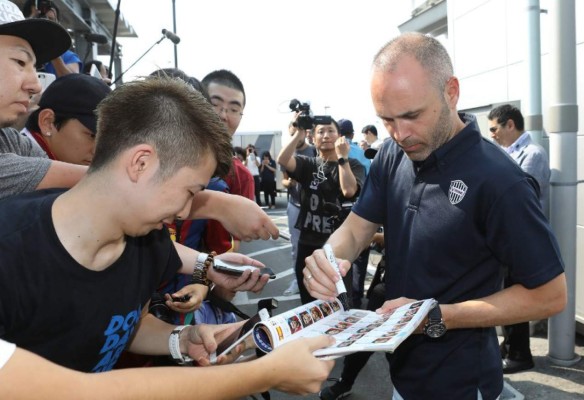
x: 452, y: 92
x: 510, y: 124
x: 142, y: 160
x: 46, y: 122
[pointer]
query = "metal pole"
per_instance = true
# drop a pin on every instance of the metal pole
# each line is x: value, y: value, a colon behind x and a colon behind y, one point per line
x: 562, y: 124
x: 532, y: 102
x: 174, y: 30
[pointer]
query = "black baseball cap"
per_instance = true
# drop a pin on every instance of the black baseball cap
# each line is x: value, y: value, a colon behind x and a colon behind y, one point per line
x: 48, y: 39
x: 75, y: 96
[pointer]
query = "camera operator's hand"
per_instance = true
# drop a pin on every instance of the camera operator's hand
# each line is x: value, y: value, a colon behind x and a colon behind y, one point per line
x: 196, y: 294
x: 202, y: 339
x: 342, y: 147
x: 248, y: 281
x: 296, y: 131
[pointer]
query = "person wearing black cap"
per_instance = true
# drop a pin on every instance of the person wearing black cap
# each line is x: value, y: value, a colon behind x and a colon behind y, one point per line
x: 361, y: 262
x: 23, y: 44
x: 355, y: 151
x: 65, y: 123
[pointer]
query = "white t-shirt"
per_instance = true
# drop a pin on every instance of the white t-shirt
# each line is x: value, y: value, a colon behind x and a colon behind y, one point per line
x: 377, y: 144
x: 6, y: 351
x: 251, y: 164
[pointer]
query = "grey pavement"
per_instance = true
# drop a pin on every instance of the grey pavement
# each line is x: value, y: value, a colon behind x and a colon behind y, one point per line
x: 546, y: 381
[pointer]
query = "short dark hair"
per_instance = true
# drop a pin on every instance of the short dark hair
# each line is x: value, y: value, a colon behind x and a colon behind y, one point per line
x: 237, y: 150
x: 168, y: 114
x: 427, y: 51
x: 180, y: 74
x: 333, y: 122
x: 370, y: 128
x: 225, y: 78
x: 507, y: 112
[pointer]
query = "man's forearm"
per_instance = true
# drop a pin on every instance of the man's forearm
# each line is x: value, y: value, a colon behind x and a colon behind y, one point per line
x: 352, y: 237
x: 205, y: 204
x: 62, y: 175
x: 177, y: 383
x: 151, y: 336
x: 508, y: 306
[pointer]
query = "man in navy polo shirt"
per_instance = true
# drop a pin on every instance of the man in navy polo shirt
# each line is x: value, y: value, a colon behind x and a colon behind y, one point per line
x: 455, y: 210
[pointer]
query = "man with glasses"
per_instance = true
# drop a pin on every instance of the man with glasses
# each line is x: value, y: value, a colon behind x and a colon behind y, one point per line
x: 507, y: 129
x: 228, y: 99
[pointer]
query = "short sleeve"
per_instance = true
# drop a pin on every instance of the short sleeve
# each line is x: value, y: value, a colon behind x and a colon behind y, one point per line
x: 6, y: 351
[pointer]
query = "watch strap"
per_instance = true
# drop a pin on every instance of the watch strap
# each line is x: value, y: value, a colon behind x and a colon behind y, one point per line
x: 174, y: 346
x: 435, y: 327
x: 342, y: 161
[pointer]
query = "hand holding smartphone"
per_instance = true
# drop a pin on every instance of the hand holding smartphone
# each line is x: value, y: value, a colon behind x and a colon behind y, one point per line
x: 229, y: 343
x: 227, y: 267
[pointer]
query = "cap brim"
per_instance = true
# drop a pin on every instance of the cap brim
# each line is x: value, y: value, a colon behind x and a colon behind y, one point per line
x: 47, y: 38
x: 370, y: 153
x: 88, y: 121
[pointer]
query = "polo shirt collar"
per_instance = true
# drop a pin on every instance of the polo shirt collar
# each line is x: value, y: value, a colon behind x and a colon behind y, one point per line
x: 458, y: 145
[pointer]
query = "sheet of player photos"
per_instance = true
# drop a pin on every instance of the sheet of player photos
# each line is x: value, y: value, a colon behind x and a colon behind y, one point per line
x: 354, y: 330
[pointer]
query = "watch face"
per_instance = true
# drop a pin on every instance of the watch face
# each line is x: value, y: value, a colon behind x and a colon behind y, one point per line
x: 435, y: 330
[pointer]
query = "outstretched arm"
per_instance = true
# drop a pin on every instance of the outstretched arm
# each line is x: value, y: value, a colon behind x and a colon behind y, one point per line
x: 291, y: 368
x: 286, y: 156
x: 240, y: 216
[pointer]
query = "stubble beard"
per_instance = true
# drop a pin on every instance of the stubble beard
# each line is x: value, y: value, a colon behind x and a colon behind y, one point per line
x: 442, y: 132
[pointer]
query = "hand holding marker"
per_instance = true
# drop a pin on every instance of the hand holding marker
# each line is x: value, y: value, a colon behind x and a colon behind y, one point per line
x: 341, y: 289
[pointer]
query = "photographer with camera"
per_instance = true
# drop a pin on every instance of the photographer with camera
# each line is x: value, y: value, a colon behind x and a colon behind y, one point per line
x: 69, y: 62
x: 327, y: 182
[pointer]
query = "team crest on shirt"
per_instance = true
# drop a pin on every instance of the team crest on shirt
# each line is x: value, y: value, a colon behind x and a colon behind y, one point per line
x: 457, y: 191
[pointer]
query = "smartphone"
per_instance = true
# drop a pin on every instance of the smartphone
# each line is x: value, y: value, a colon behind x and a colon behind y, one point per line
x: 46, y: 79
x: 181, y: 299
x: 230, y: 342
x: 227, y: 267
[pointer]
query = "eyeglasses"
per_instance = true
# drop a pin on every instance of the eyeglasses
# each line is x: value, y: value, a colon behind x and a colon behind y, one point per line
x: 233, y: 111
x: 495, y: 128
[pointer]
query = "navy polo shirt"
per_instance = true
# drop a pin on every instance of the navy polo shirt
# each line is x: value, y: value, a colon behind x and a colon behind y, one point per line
x: 451, y: 223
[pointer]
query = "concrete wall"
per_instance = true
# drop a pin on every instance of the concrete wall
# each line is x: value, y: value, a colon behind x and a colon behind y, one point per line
x: 487, y: 40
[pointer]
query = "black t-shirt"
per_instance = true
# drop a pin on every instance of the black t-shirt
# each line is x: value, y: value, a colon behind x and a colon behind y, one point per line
x: 55, y: 307
x: 294, y: 191
x: 321, y: 196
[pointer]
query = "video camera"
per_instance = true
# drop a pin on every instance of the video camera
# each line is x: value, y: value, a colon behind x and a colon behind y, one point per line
x: 305, y: 118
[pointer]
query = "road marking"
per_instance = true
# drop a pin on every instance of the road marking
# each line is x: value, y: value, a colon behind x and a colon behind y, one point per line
x: 257, y: 253
x: 239, y: 301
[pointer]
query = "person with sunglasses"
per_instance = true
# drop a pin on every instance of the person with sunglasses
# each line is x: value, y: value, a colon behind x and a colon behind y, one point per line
x: 506, y: 126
